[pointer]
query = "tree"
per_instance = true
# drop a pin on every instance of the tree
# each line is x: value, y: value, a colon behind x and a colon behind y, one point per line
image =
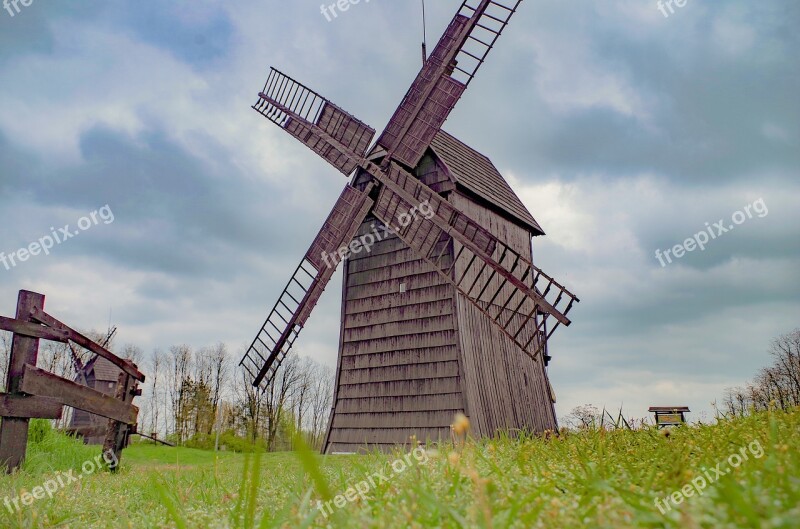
x: 132, y: 352
x: 179, y: 359
x: 321, y: 403
x: 777, y: 385
x: 277, y: 397
x: 220, y: 368
x: 155, y: 376
x: 5, y: 354
x: 582, y: 417
x: 250, y: 402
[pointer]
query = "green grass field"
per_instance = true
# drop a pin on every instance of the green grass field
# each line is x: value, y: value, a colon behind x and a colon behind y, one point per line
x: 592, y: 479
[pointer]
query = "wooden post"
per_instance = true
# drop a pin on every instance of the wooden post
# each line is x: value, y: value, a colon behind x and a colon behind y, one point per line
x: 117, y: 433
x: 24, y: 350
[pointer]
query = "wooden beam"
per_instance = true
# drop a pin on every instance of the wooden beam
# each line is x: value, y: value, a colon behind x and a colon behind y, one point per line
x: 29, y: 406
x: 24, y: 351
x: 117, y: 432
x: 33, y: 330
x: 125, y: 365
x: 36, y: 381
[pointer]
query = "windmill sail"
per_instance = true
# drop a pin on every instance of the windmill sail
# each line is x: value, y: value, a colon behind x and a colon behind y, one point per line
x: 294, y: 306
x: 490, y: 19
x: 444, y: 77
x: 499, y: 281
x: 326, y: 129
x: 429, y: 101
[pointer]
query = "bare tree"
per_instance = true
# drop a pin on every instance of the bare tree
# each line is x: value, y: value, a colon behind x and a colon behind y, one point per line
x: 156, y: 365
x: 786, y: 368
x: 179, y: 359
x: 321, y: 403
x: 5, y: 354
x: 133, y: 353
x: 301, y: 393
x: 250, y: 401
x: 582, y: 417
x: 277, y: 397
x: 220, y: 367
x: 777, y: 385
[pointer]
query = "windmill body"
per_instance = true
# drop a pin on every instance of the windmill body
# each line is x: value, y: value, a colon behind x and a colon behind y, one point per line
x: 447, y: 312
x: 413, y: 352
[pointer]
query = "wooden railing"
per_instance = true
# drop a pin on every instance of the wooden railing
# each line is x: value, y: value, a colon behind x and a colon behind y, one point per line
x: 35, y: 393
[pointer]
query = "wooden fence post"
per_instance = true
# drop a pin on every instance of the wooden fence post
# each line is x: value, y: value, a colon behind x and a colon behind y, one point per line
x: 117, y: 433
x: 24, y: 350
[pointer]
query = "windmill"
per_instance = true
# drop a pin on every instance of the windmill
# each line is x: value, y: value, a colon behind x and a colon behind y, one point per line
x: 443, y: 310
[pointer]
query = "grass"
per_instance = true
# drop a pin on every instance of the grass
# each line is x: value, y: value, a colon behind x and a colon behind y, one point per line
x: 600, y: 479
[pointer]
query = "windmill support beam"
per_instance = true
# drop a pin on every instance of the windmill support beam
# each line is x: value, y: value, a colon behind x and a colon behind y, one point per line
x: 126, y: 365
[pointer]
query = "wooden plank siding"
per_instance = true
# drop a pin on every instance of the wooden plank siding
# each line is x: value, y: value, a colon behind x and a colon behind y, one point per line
x: 398, y: 372
x: 381, y: 438
x: 505, y: 389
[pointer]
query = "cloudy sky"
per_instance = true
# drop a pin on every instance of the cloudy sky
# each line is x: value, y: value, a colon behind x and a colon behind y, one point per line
x: 623, y: 131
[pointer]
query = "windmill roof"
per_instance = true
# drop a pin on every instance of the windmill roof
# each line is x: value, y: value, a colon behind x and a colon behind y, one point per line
x: 477, y: 174
x: 103, y: 369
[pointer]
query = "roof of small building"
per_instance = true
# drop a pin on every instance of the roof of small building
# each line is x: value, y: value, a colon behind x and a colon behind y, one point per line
x: 104, y: 370
x: 477, y: 174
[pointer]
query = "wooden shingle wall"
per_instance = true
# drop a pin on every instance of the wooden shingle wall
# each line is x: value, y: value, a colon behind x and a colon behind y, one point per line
x: 398, y: 371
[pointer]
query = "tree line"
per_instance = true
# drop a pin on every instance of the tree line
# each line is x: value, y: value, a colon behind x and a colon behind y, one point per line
x: 777, y: 385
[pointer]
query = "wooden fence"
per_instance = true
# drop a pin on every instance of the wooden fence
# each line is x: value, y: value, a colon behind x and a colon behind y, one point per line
x: 35, y: 393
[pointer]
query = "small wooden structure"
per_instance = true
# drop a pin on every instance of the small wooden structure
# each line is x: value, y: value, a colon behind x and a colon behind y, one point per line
x: 35, y: 393
x: 669, y: 415
x: 100, y: 375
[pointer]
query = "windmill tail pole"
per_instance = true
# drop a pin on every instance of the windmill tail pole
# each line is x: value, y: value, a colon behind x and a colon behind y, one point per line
x: 424, y: 36
x: 156, y: 440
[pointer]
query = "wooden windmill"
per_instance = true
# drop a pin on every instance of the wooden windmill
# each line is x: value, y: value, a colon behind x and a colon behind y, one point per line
x: 445, y: 312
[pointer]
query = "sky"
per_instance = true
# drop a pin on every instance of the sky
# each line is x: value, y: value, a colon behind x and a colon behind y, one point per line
x: 624, y: 130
